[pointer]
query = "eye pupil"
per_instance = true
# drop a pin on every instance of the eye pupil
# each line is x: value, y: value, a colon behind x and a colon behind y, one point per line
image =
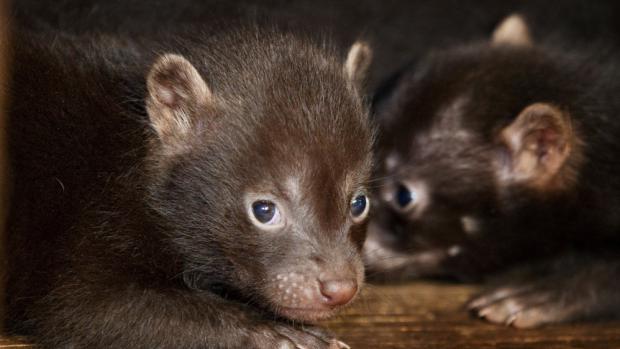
x: 404, y: 196
x: 264, y: 211
x: 358, y: 205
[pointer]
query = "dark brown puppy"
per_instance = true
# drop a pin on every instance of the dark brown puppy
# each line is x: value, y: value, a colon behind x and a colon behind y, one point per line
x: 503, y: 154
x: 189, y: 200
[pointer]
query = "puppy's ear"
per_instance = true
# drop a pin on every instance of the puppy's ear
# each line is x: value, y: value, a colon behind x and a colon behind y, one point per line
x: 357, y: 63
x: 542, y: 148
x: 512, y: 31
x: 176, y: 94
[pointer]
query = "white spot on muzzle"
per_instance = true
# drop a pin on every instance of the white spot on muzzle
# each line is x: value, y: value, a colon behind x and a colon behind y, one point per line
x: 455, y: 251
x: 470, y: 225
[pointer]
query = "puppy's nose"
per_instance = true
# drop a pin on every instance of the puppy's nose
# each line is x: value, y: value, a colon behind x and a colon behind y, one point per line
x: 338, y: 292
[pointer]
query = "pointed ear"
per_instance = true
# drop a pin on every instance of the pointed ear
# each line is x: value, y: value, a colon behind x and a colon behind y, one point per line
x: 176, y: 93
x: 512, y: 31
x: 540, y: 142
x: 357, y: 63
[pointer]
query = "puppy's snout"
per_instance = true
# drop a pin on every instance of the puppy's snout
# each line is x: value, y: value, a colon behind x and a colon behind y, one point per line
x: 337, y: 292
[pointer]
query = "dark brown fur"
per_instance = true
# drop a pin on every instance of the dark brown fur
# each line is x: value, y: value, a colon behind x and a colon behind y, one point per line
x: 123, y: 237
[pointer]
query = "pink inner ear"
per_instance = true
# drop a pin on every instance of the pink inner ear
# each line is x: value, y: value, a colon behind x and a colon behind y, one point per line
x: 540, y: 141
x: 166, y: 96
x: 547, y: 141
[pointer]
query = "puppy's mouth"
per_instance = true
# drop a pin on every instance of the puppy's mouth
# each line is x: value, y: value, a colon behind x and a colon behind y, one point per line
x: 385, y: 263
x: 306, y: 314
x: 312, y: 296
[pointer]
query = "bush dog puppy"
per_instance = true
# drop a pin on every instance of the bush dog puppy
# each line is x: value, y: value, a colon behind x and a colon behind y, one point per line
x: 505, y: 154
x: 200, y: 198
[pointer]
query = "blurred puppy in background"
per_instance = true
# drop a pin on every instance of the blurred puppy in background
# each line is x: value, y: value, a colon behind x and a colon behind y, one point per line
x: 504, y: 154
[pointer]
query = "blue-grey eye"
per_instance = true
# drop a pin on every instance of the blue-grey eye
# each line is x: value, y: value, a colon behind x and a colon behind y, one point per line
x: 359, y: 207
x: 266, y: 212
x: 404, y: 196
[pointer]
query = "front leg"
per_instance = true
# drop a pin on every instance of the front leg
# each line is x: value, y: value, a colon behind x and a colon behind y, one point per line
x: 568, y: 289
x: 79, y: 316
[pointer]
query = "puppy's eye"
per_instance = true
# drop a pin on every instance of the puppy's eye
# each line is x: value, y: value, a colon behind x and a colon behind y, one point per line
x: 405, y: 197
x: 266, y: 212
x: 359, y: 207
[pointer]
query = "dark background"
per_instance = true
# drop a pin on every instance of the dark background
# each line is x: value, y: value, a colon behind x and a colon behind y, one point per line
x: 399, y: 31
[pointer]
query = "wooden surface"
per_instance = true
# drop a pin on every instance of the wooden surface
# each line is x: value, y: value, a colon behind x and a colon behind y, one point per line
x: 429, y: 316
x: 425, y: 315
x: 13, y: 343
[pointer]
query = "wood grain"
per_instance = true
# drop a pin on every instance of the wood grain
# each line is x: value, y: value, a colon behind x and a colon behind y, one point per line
x: 13, y: 343
x: 430, y: 316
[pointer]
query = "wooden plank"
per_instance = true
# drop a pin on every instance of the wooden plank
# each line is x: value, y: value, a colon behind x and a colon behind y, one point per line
x: 428, y: 315
x: 14, y: 343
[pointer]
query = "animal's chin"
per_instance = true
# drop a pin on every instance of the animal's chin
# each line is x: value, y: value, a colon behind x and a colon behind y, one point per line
x: 388, y: 266
x: 306, y: 314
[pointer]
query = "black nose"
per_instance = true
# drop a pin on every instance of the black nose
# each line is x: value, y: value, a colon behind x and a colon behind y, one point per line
x: 338, y: 292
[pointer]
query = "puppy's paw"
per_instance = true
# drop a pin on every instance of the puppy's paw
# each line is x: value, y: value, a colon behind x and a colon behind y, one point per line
x: 523, y: 306
x: 574, y: 287
x: 283, y: 336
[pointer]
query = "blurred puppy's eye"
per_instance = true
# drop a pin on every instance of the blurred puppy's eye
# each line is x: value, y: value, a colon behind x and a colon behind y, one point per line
x: 266, y: 213
x: 405, y: 198
x: 359, y: 207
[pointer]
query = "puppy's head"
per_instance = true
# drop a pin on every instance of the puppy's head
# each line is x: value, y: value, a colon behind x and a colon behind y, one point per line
x: 479, y: 148
x: 260, y: 169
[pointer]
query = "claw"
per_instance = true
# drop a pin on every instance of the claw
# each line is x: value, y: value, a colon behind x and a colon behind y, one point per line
x: 342, y: 345
x: 336, y: 344
x: 476, y: 304
x: 511, y: 319
x: 286, y: 345
x: 482, y: 313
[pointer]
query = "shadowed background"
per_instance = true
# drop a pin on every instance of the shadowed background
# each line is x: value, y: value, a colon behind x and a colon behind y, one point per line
x: 3, y: 174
